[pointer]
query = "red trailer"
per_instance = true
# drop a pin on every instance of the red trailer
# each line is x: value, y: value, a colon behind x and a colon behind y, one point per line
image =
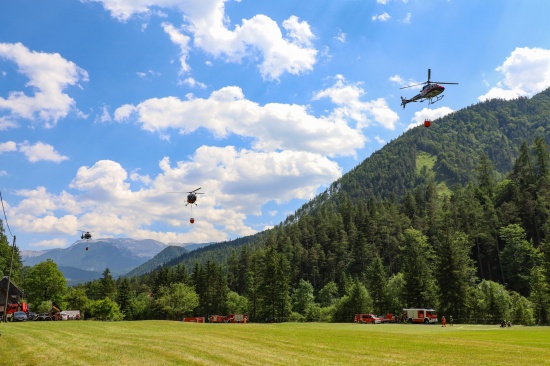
x: 196, y: 319
x: 391, y: 318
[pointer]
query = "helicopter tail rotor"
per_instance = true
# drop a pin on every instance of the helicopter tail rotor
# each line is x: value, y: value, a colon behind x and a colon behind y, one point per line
x: 404, y: 102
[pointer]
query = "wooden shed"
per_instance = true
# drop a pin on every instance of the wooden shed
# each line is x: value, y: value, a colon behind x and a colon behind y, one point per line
x: 15, y: 293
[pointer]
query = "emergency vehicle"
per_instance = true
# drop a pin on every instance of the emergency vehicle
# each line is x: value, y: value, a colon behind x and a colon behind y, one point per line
x: 367, y: 318
x: 426, y: 316
x: 195, y: 319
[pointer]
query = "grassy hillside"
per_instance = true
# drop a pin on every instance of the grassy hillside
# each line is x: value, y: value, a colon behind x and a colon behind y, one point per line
x: 176, y: 343
x: 425, y: 164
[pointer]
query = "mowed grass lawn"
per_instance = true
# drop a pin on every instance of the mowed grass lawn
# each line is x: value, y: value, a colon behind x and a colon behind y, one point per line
x: 177, y: 343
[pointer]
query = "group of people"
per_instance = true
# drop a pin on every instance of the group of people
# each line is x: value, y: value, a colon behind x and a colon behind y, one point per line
x: 505, y: 324
x: 444, y: 321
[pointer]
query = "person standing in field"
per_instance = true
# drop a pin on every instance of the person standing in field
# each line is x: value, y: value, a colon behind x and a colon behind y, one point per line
x: 443, y: 321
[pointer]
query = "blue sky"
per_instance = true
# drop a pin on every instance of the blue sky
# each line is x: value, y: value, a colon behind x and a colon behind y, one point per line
x: 108, y: 106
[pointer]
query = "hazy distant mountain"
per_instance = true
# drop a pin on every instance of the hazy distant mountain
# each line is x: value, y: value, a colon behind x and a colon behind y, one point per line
x: 191, y: 247
x: 172, y: 251
x: 32, y: 253
x: 79, y: 264
x: 74, y: 276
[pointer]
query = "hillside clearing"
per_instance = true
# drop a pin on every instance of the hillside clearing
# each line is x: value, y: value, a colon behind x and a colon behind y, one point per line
x: 177, y: 343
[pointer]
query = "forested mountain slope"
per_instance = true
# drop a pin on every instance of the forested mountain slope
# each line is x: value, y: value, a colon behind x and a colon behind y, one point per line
x: 447, y: 153
x: 454, y: 217
x: 495, y: 128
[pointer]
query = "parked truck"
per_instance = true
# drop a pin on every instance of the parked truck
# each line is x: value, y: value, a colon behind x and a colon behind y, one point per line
x: 231, y: 318
x: 367, y: 319
x: 237, y: 318
x: 217, y: 319
x: 426, y: 316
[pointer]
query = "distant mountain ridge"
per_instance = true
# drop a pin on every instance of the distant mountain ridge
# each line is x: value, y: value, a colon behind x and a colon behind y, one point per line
x: 120, y: 255
x: 168, y: 254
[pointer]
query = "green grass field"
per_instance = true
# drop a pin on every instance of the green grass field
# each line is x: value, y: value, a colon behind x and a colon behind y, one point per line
x: 177, y: 343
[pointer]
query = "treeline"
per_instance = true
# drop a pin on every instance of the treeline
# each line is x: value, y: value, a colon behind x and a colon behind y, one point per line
x: 480, y: 254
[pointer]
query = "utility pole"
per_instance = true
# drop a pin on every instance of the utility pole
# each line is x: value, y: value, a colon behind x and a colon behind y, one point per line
x: 9, y: 280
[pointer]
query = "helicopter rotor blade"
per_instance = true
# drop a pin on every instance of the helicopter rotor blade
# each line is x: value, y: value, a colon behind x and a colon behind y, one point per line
x: 410, y: 86
x: 442, y: 82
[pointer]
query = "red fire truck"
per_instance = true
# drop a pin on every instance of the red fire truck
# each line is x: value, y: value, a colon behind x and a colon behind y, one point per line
x: 367, y: 319
x: 426, y: 316
x: 237, y: 318
x: 217, y: 319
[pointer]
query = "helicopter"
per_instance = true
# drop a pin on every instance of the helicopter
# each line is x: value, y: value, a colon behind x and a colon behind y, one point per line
x: 431, y: 90
x: 192, y: 197
x: 85, y: 235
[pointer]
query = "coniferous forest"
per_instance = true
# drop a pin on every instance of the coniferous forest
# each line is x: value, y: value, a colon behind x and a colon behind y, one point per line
x: 454, y: 217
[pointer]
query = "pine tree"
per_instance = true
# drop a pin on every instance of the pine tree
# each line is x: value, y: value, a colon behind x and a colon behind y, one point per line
x: 124, y: 296
x: 107, y: 285
x: 233, y: 271
x: 420, y: 289
x: 181, y: 274
x: 519, y: 257
x: 486, y: 176
x: 376, y: 284
x: 275, y: 289
x: 540, y: 295
x: 542, y: 157
x: 455, y: 273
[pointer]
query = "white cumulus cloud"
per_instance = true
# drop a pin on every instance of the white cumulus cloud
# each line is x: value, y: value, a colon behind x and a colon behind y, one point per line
x: 350, y: 106
x: 426, y: 113
x: 8, y: 146
x: 49, y: 74
x: 384, y: 17
x: 525, y: 72
x: 182, y: 41
x: 209, y: 27
x: 40, y: 152
x: 273, y: 126
x: 235, y: 183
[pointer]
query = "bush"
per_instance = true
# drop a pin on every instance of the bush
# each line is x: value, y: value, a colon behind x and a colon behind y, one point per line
x: 296, y: 317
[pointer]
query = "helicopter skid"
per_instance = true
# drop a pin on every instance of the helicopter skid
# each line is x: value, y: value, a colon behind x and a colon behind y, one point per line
x: 439, y: 97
